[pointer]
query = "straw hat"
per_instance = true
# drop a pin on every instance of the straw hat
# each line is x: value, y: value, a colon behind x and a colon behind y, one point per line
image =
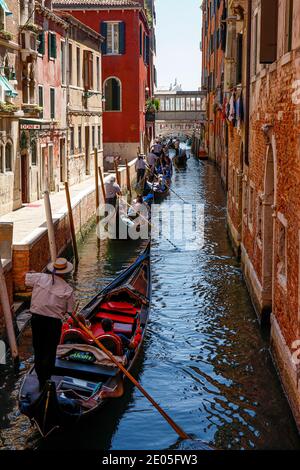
x: 60, y: 266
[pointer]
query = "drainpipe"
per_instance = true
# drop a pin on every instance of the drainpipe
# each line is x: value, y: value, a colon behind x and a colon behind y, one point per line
x: 248, y: 78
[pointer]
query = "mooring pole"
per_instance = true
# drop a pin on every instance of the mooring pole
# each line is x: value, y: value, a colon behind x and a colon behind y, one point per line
x: 97, y: 187
x: 8, y: 316
x: 128, y: 178
x: 50, y: 226
x: 71, y: 221
x: 117, y: 173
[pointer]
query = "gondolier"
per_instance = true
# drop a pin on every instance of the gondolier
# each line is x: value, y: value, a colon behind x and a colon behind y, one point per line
x: 112, y: 190
x: 52, y: 298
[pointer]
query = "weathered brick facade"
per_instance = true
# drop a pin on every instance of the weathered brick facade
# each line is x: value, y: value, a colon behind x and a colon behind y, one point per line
x: 263, y: 177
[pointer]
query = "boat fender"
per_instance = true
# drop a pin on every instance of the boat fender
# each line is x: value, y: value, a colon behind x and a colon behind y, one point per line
x: 137, y: 338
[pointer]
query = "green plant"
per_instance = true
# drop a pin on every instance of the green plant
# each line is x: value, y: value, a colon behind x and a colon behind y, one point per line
x: 31, y: 27
x: 8, y: 107
x: 152, y: 105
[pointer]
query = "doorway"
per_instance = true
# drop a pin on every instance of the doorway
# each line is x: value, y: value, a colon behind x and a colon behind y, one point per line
x: 24, y: 177
x: 62, y: 160
x: 87, y: 150
x: 268, y: 233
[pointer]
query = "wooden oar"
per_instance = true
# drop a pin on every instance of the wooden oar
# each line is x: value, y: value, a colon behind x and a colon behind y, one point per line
x: 181, y: 433
x: 168, y: 186
x: 152, y: 225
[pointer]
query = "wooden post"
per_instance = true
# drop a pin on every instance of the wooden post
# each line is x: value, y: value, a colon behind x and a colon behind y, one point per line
x: 128, y: 178
x: 8, y: 315
x: 97, y: 187
x: 71, y: 221
x: 102, y: 184
x: 50, y: 226
x: 117, y: 173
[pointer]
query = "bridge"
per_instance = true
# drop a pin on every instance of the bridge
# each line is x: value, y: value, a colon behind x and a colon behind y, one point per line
x: 181, y: 112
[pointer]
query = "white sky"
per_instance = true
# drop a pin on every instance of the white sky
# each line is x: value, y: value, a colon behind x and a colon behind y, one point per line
x: 178, y: 35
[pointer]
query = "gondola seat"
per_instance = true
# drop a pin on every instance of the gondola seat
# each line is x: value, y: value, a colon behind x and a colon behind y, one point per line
x: 120, y: 307
x: 113, y: 343
x: 115, y: 317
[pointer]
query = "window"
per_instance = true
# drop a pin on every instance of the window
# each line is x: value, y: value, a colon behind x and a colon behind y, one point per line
x: 71, y: 140
x: 167, y: 104
x: 172, y: 104
x: 188, y: 104
x: 239, y: 59
x: 41, y: 100
x: 288, y: 25
x: 33, y: 152
x: 52, y: 103
x: 63, y: 62
x: 70, y: 64
x: 52, y: 47
x: 112, y: 92
x: 182, y: 104
x: 178, y: 104
x: 99, y: 137
x: 93, y: 138
x: 199, y: 101
x: 193, y: 104
x: 255, y: 39
x: 8, y: 157
x: 162, y: 104
x: 268, y: 31
x: 98, y: 72
x: 79, y: 139
x: 88, y: 70
x: 282, y: 253
x: 141, y: 41
x: 78, y: 65
x: 113, y: 38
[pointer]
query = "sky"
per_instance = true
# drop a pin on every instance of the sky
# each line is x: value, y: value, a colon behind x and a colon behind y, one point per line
x: 178, y: 36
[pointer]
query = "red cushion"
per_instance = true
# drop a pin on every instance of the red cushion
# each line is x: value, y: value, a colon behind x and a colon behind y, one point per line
x: 118, y: 328
x: 116, y: 318
x: 123, y: 307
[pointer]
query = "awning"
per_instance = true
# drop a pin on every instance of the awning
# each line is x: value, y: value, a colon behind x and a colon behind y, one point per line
x: 5, y: 8
x: 8, y: 88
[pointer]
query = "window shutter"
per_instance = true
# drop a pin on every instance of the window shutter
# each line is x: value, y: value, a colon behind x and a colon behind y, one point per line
x: 268, y: 31
x: 90, y: 71
x: 145, y: 47
x: 85, y: 70
x: 54, y: 46
x: 147, y: 50
x: 122, y: 38
x: 41, y: 38
x: 141, y: 41
x: 239, y: 59
x: 104, y: 34
x: 49, y: 45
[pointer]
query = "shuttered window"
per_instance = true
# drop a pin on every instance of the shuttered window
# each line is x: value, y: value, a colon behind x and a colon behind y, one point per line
x: 112, y: 91
x: 52, y: 46
x: 115, y: 37
x: 268, y: 31
x: 239, y: 58
x: 141, y: 41
x: 88, y: 70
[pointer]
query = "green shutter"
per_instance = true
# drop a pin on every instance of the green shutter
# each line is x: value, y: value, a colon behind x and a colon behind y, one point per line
x: 122, y: 38
x: 52, y: 46
x: 41, y: 49
x: 103, y: 30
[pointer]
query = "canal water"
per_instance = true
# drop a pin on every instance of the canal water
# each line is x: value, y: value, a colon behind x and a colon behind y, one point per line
x: 204, y: 359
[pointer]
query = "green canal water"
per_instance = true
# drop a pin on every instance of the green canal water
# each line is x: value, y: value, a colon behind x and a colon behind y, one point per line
x: 204, y: 358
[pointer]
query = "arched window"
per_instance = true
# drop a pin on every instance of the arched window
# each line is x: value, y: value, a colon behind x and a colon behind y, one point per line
x: 8, y: 157
x: 112, y: 93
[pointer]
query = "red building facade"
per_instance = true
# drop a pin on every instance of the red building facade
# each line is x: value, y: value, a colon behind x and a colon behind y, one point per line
x: 127, y: 81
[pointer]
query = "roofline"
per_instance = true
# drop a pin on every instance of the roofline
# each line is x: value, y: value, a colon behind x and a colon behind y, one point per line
x: 58, y: 6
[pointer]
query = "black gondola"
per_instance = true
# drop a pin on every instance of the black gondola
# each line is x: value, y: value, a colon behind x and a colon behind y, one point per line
x: 83, y: 382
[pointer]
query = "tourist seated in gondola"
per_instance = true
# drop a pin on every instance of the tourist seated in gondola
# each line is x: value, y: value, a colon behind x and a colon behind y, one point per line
x: 138, y: 207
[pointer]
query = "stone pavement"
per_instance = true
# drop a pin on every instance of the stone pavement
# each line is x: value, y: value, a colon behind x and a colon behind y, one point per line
x: 31, y: 218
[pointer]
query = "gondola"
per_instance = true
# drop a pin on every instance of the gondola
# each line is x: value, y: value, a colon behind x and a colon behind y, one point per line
x: 84, y: 379
x: 180, y: 161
